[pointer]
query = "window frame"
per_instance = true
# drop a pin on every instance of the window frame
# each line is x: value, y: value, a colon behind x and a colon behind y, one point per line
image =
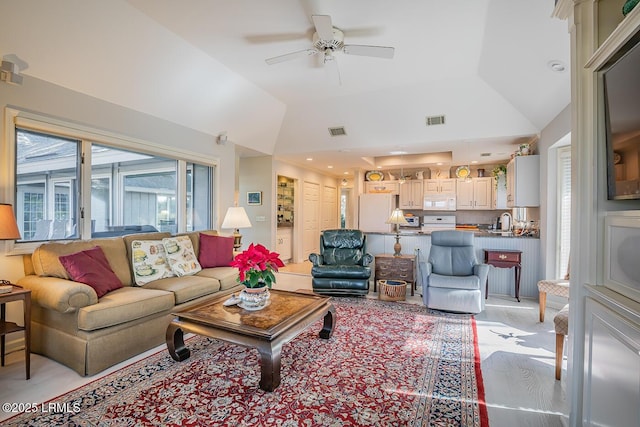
x: 15, y: 118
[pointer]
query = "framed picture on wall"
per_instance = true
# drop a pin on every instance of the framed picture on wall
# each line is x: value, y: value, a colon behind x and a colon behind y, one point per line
x: 254, y: 197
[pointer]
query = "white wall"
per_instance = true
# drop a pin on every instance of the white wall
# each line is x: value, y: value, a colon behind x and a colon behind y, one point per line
x: 555, y: 131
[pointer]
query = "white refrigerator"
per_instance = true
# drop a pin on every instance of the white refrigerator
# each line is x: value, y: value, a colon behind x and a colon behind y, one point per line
x: 374, y: 210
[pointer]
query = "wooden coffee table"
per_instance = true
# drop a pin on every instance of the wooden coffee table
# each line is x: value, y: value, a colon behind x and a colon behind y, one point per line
x: 286, y: 316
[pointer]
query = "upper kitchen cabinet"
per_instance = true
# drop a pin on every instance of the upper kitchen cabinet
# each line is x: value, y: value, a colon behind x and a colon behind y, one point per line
x: 476, y: 194
x: 411, y: 194
x: 434, y: 187
x: 382, y: 187
x: 523, y: 182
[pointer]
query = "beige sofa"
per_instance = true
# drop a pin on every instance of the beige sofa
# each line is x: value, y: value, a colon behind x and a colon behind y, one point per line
x: 71, y: 325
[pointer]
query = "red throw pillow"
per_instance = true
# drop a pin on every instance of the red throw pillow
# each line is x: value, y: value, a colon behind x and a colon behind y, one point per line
x: 91, y: 268
x: 215, y: 251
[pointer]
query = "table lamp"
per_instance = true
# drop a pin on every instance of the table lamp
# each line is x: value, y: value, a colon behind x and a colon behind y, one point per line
x: 236, y: 217
x: 397, y: 218
x: 8, y: 231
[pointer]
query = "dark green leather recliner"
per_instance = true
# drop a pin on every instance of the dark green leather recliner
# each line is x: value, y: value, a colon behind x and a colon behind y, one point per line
x: 342, y: 266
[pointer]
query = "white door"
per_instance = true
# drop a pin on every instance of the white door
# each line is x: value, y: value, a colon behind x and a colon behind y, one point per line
x: 310, y: 218
x: 329, y: 208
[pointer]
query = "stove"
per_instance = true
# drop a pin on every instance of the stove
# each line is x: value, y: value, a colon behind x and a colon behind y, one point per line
x: 438, y: 222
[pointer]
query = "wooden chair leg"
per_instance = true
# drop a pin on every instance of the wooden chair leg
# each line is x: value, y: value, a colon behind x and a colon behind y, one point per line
x: 559, y: 354
x: 542, y: 297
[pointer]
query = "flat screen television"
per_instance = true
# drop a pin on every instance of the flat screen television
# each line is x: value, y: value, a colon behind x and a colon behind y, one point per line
x: 621, y: 83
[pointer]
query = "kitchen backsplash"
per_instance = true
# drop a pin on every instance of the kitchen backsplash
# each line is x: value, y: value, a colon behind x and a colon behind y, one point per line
x: 483, y: 217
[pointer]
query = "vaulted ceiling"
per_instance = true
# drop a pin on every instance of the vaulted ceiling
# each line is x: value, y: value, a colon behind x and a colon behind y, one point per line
x: 483, y: 64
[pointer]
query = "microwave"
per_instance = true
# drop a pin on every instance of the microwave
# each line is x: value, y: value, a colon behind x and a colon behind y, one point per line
x: 445, y: 202
x: 414, y: 221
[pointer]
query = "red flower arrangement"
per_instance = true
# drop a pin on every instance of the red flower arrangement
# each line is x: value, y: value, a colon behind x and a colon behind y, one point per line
x: 257, y: 264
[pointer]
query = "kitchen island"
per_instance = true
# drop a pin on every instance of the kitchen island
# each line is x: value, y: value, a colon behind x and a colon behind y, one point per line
x: 501, y: 280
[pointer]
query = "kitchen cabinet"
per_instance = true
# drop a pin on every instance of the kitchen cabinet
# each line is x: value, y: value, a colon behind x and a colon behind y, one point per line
x: 500, y: 192
x: 523, y: 182
x: 476, y: 194
x: 411, y: 194
x: 391, y: 187
x: 439, y: 186
x: 284, y: 243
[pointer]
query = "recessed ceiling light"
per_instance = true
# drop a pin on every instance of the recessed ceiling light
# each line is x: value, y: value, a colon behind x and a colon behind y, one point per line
x: 439, y: 164
x: 379, y: 167
x: 346, y: 173
x: 395, y: 153
x: 330, y: 167
x: 474, y: 161
x: 309, y: 159
x: 557, y: 66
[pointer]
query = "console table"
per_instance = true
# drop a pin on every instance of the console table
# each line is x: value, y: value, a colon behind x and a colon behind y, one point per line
x: 391, y: 267
x: 16, y: 294
x: 504, y: 258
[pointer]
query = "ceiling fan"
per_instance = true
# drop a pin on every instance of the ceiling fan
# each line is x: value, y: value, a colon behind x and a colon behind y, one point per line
x: 327, y: 40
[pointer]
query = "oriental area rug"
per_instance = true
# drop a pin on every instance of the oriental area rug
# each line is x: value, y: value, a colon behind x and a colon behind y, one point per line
x: 387, y: 364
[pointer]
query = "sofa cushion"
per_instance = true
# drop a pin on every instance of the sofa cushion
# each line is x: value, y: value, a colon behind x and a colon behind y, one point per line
x: 46, y: 260
x: 341, y: 271
x: 215, y: 251
x: 91, y: 268
x: 123, y: 305
x: 227, y: 276
x: 454, y: 282
x: 186, y: 288
x: 182, y: 258
x: 149, y: 261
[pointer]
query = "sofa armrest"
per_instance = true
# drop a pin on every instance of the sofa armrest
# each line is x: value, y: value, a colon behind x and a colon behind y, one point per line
x: 316, y: 259
x: 482, y: 271
x: 58, y: 294
x: 367, y: 259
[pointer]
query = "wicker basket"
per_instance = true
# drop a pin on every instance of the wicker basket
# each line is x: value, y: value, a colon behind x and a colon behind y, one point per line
x: 392, y: 290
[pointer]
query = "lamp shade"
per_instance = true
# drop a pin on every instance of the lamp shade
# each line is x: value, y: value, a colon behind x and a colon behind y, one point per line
x: 236, y: 217
x: 397, y: 217
x: 8, y: 226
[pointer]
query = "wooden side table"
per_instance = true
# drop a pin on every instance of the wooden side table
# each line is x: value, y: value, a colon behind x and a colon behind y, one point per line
x: 391, y: 267
x: 504, y: 258
x: 17, y: 294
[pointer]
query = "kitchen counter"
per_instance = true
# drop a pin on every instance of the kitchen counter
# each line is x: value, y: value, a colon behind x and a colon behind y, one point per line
x: 477, y: 233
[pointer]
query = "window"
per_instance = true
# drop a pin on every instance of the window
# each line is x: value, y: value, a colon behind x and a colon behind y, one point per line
x: 564, y: 211
x: 126, y: 191
x: 47, y: 173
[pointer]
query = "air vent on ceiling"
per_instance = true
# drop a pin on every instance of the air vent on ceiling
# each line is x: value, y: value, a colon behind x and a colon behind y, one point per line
x: 339, y: 131
x: 435, y: 120
x: 485, y: 154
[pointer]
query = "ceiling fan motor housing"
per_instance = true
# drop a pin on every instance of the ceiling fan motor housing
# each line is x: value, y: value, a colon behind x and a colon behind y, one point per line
x: 336, y: 44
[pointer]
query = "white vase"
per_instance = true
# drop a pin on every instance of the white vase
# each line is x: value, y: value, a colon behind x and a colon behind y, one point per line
x: 254, y: 298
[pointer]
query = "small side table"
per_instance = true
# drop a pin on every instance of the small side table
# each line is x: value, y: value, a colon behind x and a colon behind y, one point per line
x: 504, y: 258
x: 391, y: 267
x: 17, y: 294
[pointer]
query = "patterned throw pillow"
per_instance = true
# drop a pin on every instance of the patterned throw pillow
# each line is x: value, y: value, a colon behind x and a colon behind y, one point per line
x: 182, y: 258
x: 149, y: 261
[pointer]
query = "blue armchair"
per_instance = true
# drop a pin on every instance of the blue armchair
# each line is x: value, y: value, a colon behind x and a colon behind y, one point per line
x: 342, y: 266
x: 454, y: 279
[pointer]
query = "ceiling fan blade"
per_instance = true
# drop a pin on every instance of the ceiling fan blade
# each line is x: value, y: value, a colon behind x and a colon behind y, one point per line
x: 331, y: 69
x: 290, y: 56
x: 363, y: 50
x: 323, y: 25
